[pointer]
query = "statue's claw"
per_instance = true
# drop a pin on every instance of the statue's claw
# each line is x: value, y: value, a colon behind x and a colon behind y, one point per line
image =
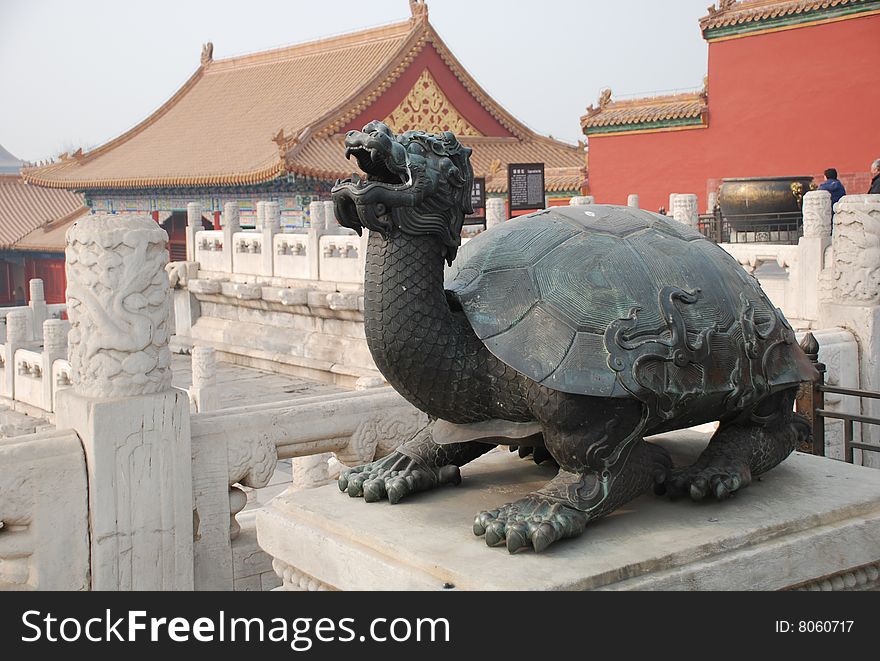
x: 697, y: 482
x: 533, y: 521
x: 395, y: 477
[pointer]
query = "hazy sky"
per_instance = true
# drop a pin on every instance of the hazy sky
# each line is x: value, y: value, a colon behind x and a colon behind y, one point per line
x: 80, y: 72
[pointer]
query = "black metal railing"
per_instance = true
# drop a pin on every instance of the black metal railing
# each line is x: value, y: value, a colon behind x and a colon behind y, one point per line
x: 811, y: 403
x: 780, y: 228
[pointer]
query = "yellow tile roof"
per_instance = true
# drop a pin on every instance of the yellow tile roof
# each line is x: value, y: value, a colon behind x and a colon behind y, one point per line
x: 251, y: 119
x: 644, y: 110
x: 730, y: 12
x: 24, y: 208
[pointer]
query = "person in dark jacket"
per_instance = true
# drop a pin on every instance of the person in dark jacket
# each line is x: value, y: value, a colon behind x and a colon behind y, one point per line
x: 833, y: 186
x: 875, y: 182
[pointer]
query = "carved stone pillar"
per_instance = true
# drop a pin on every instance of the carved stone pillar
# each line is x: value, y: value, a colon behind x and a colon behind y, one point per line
x: 271, y: 225
x: 203, y: 393
x: 18, y: 335
x: 849, y: 296
x: 261, y: 214
x: 581, y: 200
x: 134, y: 427
x: 39, y: 309
x: 54, y: 348
x: 712, y: 202
x: 193, y: 225
x: 231, y: 225
x: 671, y: 206
x: 817, y: 214
x: 316, y: 215
x: 310, y: 472
x: 632, y: 201
x: 853, y: 276
x: 684, y: 209
x: 495, y: 212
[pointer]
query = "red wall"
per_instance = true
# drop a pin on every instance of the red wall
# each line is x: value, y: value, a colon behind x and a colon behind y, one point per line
x: 51, y: 272
x: 784, y: 103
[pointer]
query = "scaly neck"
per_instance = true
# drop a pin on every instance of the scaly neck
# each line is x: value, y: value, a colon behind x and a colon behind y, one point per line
x: 414, y: 336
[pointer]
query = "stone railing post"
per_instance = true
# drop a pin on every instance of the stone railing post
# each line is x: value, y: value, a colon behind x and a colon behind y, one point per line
x: 711, y: 202
x: 134, y: 426
x: 817, y: 214
x: 495, y: 212
x: 849, y: 295
x: 203, y: 393
x: 330, y: 224
x: 54, y: 348
x: 316, y: 215
x: 310, y: 472
x: 39, y: 309
x: 18, y: 335
x: 193, y: 225
x: 811, y: 251
x: 632, y: 201
x: 231, y: 225
x: 684, y: 209
x: 671, y: 206
x: 581, y: 200
x: 271, y: 225
x: 261, y: 215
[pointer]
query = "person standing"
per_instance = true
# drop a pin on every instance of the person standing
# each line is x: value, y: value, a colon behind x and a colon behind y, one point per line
x: 832, y: 185
x: 875, y: 182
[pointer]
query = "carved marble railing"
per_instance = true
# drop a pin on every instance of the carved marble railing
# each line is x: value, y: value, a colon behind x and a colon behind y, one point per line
x: 324, y: 252
x: 28, y: 373
x: 241, y: 447
x: 37, y: 312
x: 44, y: 528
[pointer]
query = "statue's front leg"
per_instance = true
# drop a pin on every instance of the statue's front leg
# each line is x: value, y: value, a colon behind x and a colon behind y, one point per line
x: 581, y: 491
x: 419, y: 464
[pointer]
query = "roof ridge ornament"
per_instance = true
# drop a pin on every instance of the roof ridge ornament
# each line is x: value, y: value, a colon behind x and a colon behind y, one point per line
x: 418, y: 10
x: 207, y: 53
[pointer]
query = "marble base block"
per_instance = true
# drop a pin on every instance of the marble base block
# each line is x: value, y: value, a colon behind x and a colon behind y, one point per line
x: 810, y: 523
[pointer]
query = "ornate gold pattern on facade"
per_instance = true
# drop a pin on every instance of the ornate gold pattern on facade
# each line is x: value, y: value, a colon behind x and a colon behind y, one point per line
x: 426, y: 108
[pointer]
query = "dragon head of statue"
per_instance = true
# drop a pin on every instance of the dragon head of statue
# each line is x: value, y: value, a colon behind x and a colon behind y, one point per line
x: 415, y: 183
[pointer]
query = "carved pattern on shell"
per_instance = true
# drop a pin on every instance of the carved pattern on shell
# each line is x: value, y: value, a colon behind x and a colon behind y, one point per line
x: 426, y: 108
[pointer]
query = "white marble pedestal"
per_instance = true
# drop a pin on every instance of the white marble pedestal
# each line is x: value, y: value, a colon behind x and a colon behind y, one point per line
x: 810, y: 523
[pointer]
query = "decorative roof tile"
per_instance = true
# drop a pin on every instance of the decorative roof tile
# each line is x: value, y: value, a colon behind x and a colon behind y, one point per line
x: 648, y: 113
x: 24, y: 208
x: 729, y: 17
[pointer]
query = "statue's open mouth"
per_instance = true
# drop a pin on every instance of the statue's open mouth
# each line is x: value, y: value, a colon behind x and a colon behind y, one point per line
x: 366, y: 201
x: 415, y: 183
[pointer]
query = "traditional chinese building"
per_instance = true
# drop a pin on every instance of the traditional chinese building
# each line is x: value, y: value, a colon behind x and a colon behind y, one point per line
x: 793, y: 88
x: 270, y: 126
x: 32, y: 225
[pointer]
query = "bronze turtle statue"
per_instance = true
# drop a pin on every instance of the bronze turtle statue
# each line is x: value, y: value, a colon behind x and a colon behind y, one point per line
x: 573, y: 331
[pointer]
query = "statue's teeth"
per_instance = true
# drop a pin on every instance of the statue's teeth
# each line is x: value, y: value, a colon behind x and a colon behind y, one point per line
x: 355, y: 178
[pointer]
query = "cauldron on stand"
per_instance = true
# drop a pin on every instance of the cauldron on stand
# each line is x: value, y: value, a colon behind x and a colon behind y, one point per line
x: 763, y: 209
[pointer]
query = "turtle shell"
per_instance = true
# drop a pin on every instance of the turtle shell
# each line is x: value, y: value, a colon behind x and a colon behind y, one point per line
x: 613, y: 301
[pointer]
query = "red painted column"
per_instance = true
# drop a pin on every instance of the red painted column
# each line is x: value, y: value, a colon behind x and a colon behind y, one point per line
x: 217, y: 220
x: 155, y: 215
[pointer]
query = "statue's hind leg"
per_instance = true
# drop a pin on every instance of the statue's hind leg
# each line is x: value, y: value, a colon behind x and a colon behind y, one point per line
x: 604, y: 464
x: 739, y: 452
